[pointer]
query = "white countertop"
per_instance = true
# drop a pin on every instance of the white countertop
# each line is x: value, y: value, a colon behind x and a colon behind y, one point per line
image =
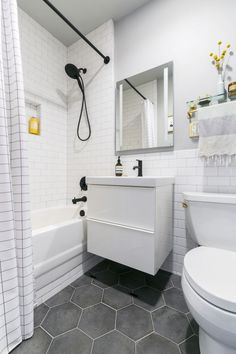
x: 149, y: 181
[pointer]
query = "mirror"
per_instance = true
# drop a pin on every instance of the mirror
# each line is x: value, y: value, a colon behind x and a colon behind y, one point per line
x: 144, y: 111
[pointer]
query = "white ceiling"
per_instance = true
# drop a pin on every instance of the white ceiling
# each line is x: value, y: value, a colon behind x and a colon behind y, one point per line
x: 86, y: 15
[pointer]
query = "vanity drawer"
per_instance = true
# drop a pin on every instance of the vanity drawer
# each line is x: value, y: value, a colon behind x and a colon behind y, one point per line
x: 132, y: 247
x: 129, y: 206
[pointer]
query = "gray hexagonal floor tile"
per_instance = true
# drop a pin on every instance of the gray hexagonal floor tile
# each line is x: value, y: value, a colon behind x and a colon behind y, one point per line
x: 134, y: 322
x: 155, y: 344
x: 176, y: 280
x: 148, y: 298
x: 61, y: 298
x: 87, y: 295
x: 119, y: 268
x: 106, y: 278
x: 171, y: 324
x: 116, y: 297
x: 83, y: 280
x: 73, y: 342
x: 113, y: 343
x: 99, y: 267
x: 193, y: 324
x: 190, y: 346
x: 61, y: 318
x: 175, y: 298
x: 97, y: 320
x: 38, y: 344
x: 39, y: 314
x: 133, y: 279
x: 160, y: 281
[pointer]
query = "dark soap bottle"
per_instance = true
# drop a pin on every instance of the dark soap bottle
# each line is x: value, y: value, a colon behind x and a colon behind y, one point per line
x: 119, y: 168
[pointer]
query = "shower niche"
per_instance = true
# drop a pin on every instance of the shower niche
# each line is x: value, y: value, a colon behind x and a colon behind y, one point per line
x: 145, y: 111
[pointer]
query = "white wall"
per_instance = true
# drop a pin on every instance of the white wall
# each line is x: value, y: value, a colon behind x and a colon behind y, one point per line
x: 183, y: 31
x: 44, y: 58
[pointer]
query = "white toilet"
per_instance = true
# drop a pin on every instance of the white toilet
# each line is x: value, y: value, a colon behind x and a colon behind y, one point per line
x: 209, y: 273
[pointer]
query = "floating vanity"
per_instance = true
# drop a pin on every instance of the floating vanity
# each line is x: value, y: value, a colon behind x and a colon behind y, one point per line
x: 130, y: 220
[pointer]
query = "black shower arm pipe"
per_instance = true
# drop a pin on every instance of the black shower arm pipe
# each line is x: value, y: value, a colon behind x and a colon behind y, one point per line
x: 134, y: 88
x: 106, y: 58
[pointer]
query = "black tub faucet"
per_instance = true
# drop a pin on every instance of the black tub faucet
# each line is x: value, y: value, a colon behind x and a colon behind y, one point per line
x: 77, y: 200
x: 139, y: 167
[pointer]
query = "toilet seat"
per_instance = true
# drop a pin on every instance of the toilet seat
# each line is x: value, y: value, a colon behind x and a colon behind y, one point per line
x: 211, y: 272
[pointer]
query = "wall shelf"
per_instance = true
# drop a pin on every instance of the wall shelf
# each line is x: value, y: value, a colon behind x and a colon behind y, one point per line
x: 208, y: 100
x: 203, y: 102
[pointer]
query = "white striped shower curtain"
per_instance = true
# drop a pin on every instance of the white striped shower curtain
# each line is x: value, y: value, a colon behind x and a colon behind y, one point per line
x: 16, y: 283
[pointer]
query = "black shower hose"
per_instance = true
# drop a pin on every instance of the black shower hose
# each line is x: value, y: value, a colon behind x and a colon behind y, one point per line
x: 83, y: 106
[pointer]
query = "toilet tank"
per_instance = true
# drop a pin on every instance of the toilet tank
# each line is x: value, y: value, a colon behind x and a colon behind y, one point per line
x: 211, y: 219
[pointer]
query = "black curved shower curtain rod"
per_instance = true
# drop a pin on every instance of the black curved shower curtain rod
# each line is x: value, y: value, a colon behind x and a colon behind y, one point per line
x: 105, y: 58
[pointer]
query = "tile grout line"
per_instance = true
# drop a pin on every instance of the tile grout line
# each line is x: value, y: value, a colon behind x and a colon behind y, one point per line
x: 189, y: 321
x: 50, y: 345
x: 186, y: 339
x: 172, y: 308
x: 124, y: 334
x: 44, y: 317
x: 80, y: 318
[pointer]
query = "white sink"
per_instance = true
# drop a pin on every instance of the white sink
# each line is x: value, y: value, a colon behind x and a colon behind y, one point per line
x: 154, y: 181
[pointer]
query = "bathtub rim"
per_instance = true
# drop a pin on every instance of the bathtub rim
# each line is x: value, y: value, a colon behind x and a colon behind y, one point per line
x: 72, y: 206
x: 40, y: 230
x: 60, y: 223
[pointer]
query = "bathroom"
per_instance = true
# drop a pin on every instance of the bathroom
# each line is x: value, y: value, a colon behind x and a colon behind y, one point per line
x: 70, y: 281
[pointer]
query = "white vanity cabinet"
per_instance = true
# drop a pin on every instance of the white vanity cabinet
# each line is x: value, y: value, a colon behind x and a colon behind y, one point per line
x: 130, y: 220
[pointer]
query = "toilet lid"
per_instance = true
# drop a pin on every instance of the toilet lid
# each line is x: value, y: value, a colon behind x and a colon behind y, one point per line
x: 212, y: 274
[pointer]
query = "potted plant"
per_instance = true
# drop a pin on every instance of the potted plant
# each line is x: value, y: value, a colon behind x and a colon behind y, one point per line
x: 218, y: 60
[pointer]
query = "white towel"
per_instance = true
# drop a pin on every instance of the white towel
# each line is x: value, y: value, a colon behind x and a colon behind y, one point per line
x: 217, y: 133
x: 148, y: 125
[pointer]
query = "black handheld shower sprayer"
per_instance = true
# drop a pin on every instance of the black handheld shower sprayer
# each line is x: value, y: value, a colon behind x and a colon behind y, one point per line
x: 75, y: 73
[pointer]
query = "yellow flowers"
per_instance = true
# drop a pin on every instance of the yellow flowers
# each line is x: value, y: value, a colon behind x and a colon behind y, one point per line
x: 218, y: 59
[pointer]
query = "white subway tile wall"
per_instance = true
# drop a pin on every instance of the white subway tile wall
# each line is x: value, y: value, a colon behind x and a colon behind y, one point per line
x: 96, y: 157
x: 47, y: 157
x: 44, y: 58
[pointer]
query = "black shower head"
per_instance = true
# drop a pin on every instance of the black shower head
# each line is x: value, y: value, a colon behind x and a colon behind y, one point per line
x: 73, y: 72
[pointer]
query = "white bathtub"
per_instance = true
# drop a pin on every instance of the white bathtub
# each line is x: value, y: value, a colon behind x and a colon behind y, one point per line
x: 59, y: 246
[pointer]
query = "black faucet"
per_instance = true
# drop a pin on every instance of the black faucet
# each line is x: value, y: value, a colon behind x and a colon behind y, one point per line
x: 77, y: 200
x: 139, y: 167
